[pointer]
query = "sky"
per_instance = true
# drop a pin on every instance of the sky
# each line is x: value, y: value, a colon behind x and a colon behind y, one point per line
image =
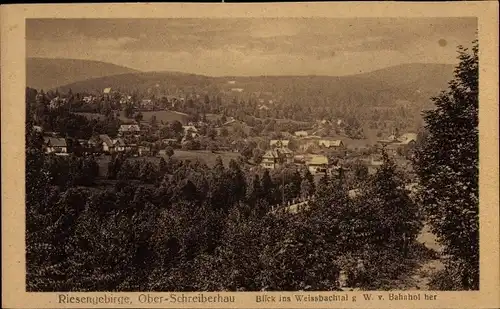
x: 253, y: 46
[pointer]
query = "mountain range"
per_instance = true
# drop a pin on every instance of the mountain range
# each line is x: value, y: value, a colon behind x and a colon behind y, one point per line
x: 407, y: 82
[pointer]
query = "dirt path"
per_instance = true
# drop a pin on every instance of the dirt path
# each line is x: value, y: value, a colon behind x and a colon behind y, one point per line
x: 421, y: 277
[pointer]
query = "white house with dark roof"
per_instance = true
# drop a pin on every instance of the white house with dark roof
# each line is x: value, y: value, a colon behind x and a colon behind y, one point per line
x: 276, y: 157
x: 106, y: 143
x: 88, y: 99
x: 331, y: 143
x: 119, y: 145
x: 129, y: 129
x: 300, y: 133
x: 55, y: 145
x: 317, y: 164
x: 407, y: 138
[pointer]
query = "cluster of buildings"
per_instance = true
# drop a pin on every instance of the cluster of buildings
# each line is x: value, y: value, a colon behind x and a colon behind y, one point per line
x: 100, y: 144
x: 398, y: 144
x: 127, y: 141
x: 280, y: 154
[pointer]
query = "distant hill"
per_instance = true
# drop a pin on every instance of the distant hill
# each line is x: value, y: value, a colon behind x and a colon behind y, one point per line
x: 141, y: 81
x: 46, y: 73
x: 423, y: 76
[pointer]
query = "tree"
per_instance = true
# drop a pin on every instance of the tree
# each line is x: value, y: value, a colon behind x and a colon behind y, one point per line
x: 360, y: 171
x: 154, y: 123
x: 90, y: 171
x: 148, y: 173
x: 237, y: 183
x: 306, y: 189
x: 447, y: 165
x: 138, y: 117
x: 129, y: 110
x: 176, y: 127
x: 257, y: 154
x: 169, y: 151
x: 254, y: 191
x: 269, y: 188
x: 398, y: 216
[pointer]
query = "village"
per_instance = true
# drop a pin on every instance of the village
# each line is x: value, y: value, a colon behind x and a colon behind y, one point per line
x: 319, y: 151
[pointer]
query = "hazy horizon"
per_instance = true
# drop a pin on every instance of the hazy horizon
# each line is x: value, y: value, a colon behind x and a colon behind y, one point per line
x: 253, y: 46
x: 235, y: 76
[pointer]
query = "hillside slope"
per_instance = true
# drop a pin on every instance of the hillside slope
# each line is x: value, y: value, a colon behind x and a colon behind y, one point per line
x: 423, y: 76
x: 45, y: 73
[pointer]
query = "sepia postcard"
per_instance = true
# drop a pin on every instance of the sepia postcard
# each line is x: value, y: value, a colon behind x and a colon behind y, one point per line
x: 274, y: 155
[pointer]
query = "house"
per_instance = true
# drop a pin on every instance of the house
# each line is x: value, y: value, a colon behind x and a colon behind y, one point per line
x: 408, y: 138
x: 144, y: 150
x: 85, y: 147
x: 337, y: 144
x: 119, y: 145
x: 190, y: 130
x: 55, y: 145
x: 300, y: 133
x: 317, y: 164
x: 125, y: 100
x: 55, y: 103
x: 169, y: 141
x: 270, y: 159
x: 374, y: 163
x: 279, y: 143
x: 309, y: 143
x: 147, y: 104
x: 392, y: 149
x: 106, y: 143
x: 275, y: 157
x: 88, y: 99
x: 132, y: 148
x: 399, y: 145
x: 286, y: 135
x: 129, y: 129
x: 392, y: 138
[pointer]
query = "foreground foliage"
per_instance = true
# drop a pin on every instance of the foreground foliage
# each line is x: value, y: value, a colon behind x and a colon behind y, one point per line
x: 448, y: 167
